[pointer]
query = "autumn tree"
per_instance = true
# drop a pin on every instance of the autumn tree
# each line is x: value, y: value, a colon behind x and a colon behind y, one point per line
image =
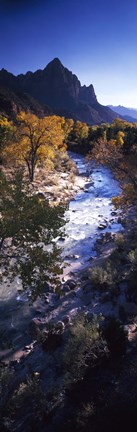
x: 31, y: 225
x: 35, y: 140
x: 120, y: 138
x: 67, y: 127
x: 6, y: 132
x: 111, y: 153
x: 80, y: 131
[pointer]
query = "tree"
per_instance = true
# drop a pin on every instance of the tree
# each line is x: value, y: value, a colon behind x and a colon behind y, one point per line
x: 6, y: 132
x: 84, y: 349
x: 120, y: 138
x: 30, y: 224
x: 67, y: 127
x: 35, y: 141
x: 80, y: 131
x: 112, y: 154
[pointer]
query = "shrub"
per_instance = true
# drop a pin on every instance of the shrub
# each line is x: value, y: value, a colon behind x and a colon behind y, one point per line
x: 120, y: 241
x: 133, y: 257
x: 131, y: 292
x: 6, y: 383
x: 115, y: 337
x: 84, y: 349
x: 29, y: 397
x: 103, y: 277
x: 84, y: 414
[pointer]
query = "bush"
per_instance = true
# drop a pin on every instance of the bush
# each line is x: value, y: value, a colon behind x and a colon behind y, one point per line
x: 133, y: 257
x: 84, y: 349
x: 115, y: 337
x: 84, y: 414
x: 131, y: 293
x: 103, y: 277
x: 120, y: 241
x: 29, y: 393
x: 62, y: 162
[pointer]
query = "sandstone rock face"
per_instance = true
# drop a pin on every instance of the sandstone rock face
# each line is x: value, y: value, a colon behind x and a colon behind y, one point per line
x: 87, y: 94
x: 60, y: 89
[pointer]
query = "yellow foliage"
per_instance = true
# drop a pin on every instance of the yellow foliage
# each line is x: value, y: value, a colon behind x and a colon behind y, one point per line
x: 6, y: 129
x: 81, y: 130
x: 67, y: 127
x: 120, y: 140
x: 125, y: 168
x: 36, y: 140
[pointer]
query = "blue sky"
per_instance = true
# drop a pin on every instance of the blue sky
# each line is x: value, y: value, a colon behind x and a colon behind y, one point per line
x: 96, y: 40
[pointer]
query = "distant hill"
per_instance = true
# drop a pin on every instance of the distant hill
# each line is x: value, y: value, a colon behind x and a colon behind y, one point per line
x: 57, y: 88
x: 130, y: 114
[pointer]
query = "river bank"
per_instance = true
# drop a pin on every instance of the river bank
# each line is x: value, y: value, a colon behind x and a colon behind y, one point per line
x: 39, y: 331
x: 89, y: 214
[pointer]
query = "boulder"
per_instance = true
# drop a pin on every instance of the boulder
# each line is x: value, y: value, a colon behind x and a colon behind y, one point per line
x: 60, y: 326
x: 66, y: 319
x: 75, y: 256
x: 65, y: 289
x: 102, y: 226
x: 46, y: 299
x: 120, y: 220
x: 71, y: 284
x: 61, y: 239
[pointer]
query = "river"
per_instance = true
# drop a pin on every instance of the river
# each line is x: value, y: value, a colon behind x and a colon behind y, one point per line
x: 90, y: 208
x: 88, y: 211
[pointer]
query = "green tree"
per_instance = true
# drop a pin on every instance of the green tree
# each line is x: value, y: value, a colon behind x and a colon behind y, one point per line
x: 85, y: 347
x: 31, y: 224
x: 6, y: 133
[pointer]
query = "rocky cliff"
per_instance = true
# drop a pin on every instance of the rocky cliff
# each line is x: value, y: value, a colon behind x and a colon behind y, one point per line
x: 61, y: 90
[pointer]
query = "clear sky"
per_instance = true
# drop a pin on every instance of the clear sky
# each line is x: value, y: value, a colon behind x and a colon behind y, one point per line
x: 95, y: 39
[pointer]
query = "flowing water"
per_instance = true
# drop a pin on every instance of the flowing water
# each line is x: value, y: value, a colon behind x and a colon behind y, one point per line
x: 91, y: 208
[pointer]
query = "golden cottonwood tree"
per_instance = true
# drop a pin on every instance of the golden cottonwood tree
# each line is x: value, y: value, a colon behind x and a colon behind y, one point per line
x: 120, y: 138
x: 67, y: 127
x: 111, y: 153
x: 35, y: 140
x: 81, y: 130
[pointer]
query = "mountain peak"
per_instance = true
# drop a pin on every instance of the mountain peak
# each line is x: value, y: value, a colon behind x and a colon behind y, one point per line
x: 55, y: 62
x: 60, y: 89
x: 5, y: 72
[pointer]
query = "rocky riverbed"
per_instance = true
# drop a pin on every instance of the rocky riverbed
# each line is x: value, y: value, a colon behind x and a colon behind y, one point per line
x: 35, y: 333
x: 91, y: 222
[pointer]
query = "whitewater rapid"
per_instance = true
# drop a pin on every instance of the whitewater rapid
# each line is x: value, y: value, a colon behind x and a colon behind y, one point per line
x: 91, y: 208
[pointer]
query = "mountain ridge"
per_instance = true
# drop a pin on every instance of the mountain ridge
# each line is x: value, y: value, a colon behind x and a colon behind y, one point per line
x: 59, y: 89
x: 125, y: 111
